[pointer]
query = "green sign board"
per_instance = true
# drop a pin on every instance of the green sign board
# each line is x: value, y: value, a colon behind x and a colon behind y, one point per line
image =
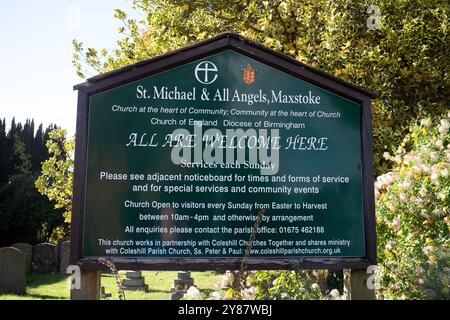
x: 219, y: 158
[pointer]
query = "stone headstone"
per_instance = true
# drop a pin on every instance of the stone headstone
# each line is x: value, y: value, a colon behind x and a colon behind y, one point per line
x: 133, y: 274
x: 181, y: 284
x: 13, y: 271
x: 44, y: 258
x: 59, y: 250
x: 183, y: 281
x: 134, y: 281
x: 104, y: 294
x: 27, y: 249
x: 65, y: 257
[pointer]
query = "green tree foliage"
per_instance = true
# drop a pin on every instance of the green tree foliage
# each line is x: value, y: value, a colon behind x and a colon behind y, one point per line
x: 25, y: 215
x: 22, y: 164
x: 406, y: 61
x: 56, y: 178
x: 21, y: 149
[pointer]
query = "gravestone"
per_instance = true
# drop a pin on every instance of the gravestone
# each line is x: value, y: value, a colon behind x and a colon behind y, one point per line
x: 104, y: 294
x: 65, y: 256
x: 134, y: 281
x: 27, y: 249
x: 44, y: 258
x: 59, y: 250
x: 13, y: 271
x: 181, y: 284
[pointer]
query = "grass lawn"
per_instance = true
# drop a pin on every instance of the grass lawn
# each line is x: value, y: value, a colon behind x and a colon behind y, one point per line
x: 56, y: 287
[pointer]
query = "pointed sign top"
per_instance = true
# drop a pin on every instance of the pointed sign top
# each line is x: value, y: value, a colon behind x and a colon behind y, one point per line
x: 221, y: 42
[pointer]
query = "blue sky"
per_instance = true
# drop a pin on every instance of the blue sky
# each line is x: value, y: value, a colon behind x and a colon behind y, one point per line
x: 36, y: 73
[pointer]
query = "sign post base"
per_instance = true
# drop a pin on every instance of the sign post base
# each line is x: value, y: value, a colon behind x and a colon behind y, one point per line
x: 356, y: 286
x: 89, y: 286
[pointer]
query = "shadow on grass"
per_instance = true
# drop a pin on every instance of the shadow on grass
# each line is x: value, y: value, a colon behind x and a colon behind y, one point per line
x: 150, y: 290
x: 35, y: 281
x: 32, y: 296
x: 45, y: 297
x: 110, y: 275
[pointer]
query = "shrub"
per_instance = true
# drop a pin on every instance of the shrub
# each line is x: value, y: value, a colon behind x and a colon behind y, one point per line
x: 413, y: 215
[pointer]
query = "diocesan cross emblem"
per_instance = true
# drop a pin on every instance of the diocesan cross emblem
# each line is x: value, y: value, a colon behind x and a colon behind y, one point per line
x: 249, y: 74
